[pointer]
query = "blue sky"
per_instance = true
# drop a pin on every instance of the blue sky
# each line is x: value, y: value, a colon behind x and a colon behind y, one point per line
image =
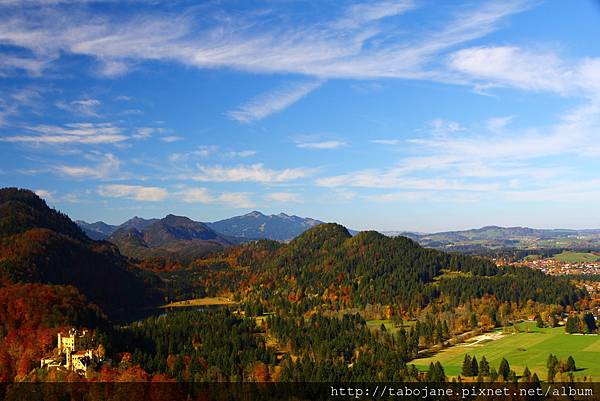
x: 393, y: 115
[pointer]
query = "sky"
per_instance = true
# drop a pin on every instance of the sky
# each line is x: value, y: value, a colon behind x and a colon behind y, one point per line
x: 414, y: 115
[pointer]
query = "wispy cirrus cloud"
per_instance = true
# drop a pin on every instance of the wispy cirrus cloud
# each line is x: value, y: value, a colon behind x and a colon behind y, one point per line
x: 361, y: 13
x: 285, y: 197
x: 515, y: 67
x: 272, y: 102
x: 498, y: 123
x: 76, y: 133
x: 469, y: 165
x: 242, y: 153
x: 249, y: 173
x: 240, y: 200
x: 390, y: 142
x: 171, y: 138
x: 321, y: 145
x: 354, y: 45
x: 84, y: 107
x: 12, y: 103
x: 105, y: 166
x: 135, y: 192
x: 203, y: 195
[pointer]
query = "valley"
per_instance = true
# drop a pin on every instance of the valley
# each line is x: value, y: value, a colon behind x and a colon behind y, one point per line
x: 326, y: 304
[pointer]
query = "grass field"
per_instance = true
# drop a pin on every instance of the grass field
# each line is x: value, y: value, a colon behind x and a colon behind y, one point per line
x: 389, y: 325
x: 526, y: 349
x: 200, y: 302
x: 576, y: 257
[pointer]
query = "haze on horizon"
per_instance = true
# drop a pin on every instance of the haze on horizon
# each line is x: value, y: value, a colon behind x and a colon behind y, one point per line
x: 390, y: 115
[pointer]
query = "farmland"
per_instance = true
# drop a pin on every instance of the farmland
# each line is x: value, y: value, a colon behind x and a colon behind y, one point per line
x: 207, y: 301
x: 576, y: 257
x: 530, y: 347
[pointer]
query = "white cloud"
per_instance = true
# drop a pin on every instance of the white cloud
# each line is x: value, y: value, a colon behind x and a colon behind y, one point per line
x: 498, y: 123
x: 386, y: 141
x: 135, y: 192
x: 239, y: 200
x: 203, y: 195
x: 515, y: 67
x: 11, y: 64
x: 522, y: 164
x: 288, y: 197
x: 146, y: 132
x: 321, y: 145
x: 50, y: 196
x: 272, y: 102
x: 200, y: 151
x: 86, y: 107
x: 196, y: 195
x: 105, y: 167
x: 401, y: 196
x: 396, y: 178
x: 45, y: 194
x: 81, y: 133
x: 250, y: 173
x: 359, y: 14
x: 441, y: 126
x: 357, y: 45
x: 171, y: 138
x: 242, y: 153
x: 13, y: 103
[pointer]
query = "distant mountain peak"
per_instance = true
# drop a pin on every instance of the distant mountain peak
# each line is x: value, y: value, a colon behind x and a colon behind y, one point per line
x: 256, y: 225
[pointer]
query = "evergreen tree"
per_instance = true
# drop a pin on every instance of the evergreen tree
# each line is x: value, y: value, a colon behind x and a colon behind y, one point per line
x: 445, y: 330
x: 573, y: 325
x: 526, y: 375
x: 535, y: 379
x: 430, y: 373
x: 467, y: 366
x: 484, y: 367
x: 439, y: 376
x: 473, y: 321
x: 571, y: 364
x: 552, y: 361
x: 474, y: 367
x: 551, y: 373
x: 493, y: 375
x: 589, y: 323
x: 504, y: 369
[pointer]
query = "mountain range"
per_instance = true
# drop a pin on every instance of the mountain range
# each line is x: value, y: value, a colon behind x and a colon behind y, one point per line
x: 282, y: 227
x: 250, y: 226
x: 491, y: 237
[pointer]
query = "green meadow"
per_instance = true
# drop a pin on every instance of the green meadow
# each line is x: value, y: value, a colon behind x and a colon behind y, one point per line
x: 525, y: 349
x: 576, y: 257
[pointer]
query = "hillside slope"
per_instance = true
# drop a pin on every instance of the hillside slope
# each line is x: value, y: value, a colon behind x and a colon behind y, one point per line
x: 327, y: 266
x: 174, y: 237
x: 39, y: 244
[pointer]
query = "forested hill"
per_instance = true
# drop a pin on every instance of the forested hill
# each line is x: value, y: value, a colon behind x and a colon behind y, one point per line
x: 22, y: 210
x: 172, y: 237
x: 39, y: 244
x: 327, y: 264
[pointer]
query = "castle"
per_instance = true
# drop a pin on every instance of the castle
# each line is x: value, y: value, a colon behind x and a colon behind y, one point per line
x: 75, y: 352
